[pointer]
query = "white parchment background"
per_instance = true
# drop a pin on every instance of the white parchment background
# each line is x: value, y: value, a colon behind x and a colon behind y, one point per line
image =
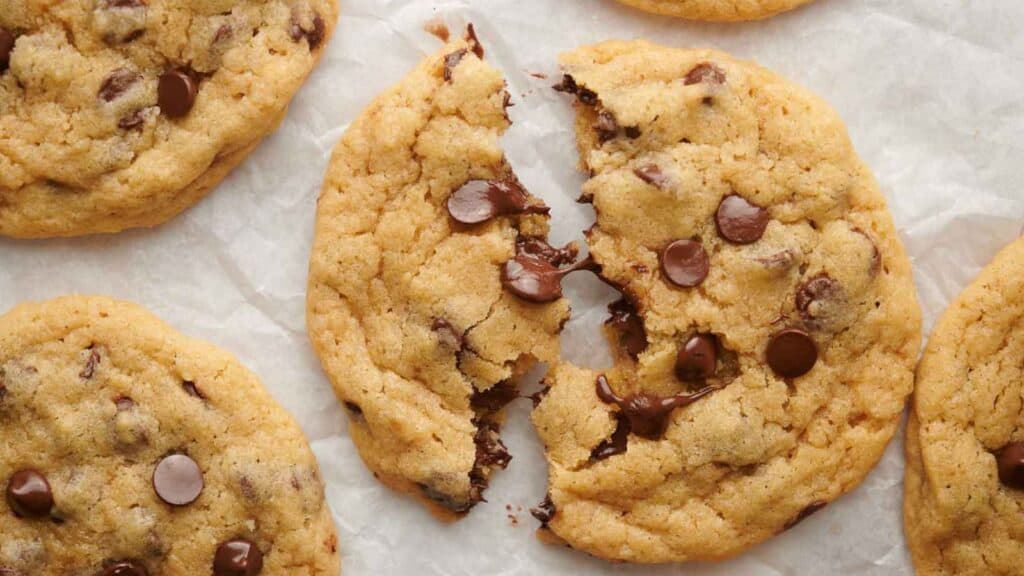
x: 932, y: 91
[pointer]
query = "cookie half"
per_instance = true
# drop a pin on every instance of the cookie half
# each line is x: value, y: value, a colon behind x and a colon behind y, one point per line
x: 964, y: 485
x: 130, y: 449
x: 431, y: 286
x: 716, y: 10
x: 767, y: 333
x: 117, y: 114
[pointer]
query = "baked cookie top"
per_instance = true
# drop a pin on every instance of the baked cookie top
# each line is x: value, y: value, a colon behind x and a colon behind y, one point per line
x: 716, y: 10
x: 121, y: 113
x: 131, y: 450
x: 965, y: 439
x: 769, y: 325
x: 431, y: 286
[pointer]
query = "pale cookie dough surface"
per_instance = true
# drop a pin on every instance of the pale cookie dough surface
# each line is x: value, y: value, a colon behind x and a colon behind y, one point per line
x: 667, y: 136
x: 960, y: 517
x: 406, y: 307
x: 94, y: 394
x: 717, y: 10
x: 85, y: 146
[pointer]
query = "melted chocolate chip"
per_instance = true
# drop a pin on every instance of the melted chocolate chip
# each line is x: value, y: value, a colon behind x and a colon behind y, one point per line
x: 89, y: 370
x: 539, y: 247
x: 685, y: 263
x: 117, y: 83
x: 705, y: 73
x: 648, y: 414
x: 630, y: 326
x: 535, y: 279
x: 132, y: 121
x: 490, y: 451
x: 494, y: 398
x: 545, y: 511
x: 583, y: 94
x: 447, y: 335
x: 652, y: 174
x: 739, y: 221
x: 697, y: 358
x: 122, y: 3
x: 29, y: 494
x: 314, y: 36
x: 124, y: 568
x: 606, y: 125
x: 178, y: 480
x: 192, y: 390
x: 474, y: 42
x: 237, y: 557
x: 815, y: 292
x: 811, y: 508
x: 451, y: 61
x: 478, y: 201
x: 6, y: 47
x: 1011, y: 465
x: 792, y: 353
x: 617, y: 444
x: 632, y: 132
x: 176, y: 93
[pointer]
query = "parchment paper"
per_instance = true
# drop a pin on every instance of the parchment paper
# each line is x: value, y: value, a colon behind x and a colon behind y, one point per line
x: 931, y: 91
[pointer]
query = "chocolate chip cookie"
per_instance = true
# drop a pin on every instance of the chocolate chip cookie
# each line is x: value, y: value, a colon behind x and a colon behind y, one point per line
x: 768, y: 325
x: 964, y: 486
x: 117, y: 114
x: 432, y: 288
x: 717, y: 10
x: 130, y: 450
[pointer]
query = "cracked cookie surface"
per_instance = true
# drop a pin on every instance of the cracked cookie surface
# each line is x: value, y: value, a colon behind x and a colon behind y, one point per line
x: 766, y: 338
x: 964, y: 486
x: 117, y: 114
x: 130, y: 449
x: 423, y: 303
x: 716, y: 10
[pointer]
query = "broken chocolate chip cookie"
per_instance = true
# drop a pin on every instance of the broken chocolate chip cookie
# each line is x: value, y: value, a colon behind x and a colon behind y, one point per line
x: 766, y: 336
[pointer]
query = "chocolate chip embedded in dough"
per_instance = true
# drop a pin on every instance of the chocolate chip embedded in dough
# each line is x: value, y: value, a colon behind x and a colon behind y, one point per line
x: 739, y: 221
x: 685, y: 263
x: 705, y: 73
x: 124, y: 568
x: 697, y: 359
x: 1011, y: 465
x: 792, y: 353
x: 178, y: 480
x: 238, y: 557
x: 29, y: 494
x: 6, y: 47
x: 176, y: 93
x: 117, y: 83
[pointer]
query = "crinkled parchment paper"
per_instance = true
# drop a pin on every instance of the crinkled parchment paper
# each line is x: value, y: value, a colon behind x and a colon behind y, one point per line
x: 932, y: 91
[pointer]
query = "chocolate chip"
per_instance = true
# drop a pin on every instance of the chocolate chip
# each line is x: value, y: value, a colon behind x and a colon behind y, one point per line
x: 811, y: 508
x: 176, y: 93
x: 223, y: 33
x: 90, y: 364
x: 792, y: 353
x: 124, y: 403
x: 685, y: 263
x: 632, y: 132
x: 132, y: 121
x: 29, y: 494
x: 816, y: 293
x: 536, y: 279
x: 705, y: 73
x: 6, y: 47
x: 456, y: 505
x: 314, y: 36
x: 697, y: 358
x: 451, y: 61
x: 630, y: 326
x: 447, y: 335
x: 545, y: 511
x: 353, y: 408
x: 1011, y: 465
x: 494, y: 398
x: 617, y: 444
x: 474, y: 41
x: 117, y: 83
x: 583, y: 94
x: 124, y: 568
x: 123, y: 3
x: 652, y: 174
x: 178, y: 480
x: 192, y: 390
x: 490, y: 451
x: 739, y: 221
x: 648, y: 414
x: 237, y: 557
x: 606, y: 125
x: 478, y: 201
x: 539, y: 247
